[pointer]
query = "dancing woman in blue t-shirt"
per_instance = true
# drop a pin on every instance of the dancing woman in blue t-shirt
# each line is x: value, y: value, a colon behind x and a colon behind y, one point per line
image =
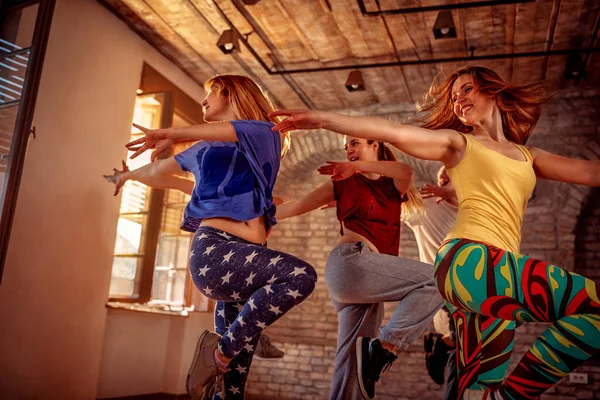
x: 235, y: 165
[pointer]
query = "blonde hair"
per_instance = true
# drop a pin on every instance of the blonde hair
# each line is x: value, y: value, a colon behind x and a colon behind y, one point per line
x: 413, y: 206
x: 247, y: 100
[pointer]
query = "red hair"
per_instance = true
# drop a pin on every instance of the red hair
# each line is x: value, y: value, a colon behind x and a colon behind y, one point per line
x: 519, y: 105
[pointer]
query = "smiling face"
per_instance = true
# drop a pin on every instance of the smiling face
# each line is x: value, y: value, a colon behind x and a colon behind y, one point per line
x: 469, y: 104
x: 216, y: 106
x: 360, y: 149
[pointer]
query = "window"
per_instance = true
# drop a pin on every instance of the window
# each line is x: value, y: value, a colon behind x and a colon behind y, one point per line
x: 150, y: 263
x: 170, y: 284
x: 24, y: 30
x: 132, y: 228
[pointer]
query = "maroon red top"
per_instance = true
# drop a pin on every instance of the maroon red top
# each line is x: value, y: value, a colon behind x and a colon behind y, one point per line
x: 370, y: 208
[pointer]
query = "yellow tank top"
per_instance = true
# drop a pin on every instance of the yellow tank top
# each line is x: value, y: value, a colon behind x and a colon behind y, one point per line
x: 493, y: 191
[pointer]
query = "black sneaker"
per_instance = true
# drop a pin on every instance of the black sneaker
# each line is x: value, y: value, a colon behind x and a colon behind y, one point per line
x: 371, y: 360
x: 436, y: 356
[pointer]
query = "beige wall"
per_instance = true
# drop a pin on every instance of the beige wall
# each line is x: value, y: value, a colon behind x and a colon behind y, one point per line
x: 56, y: 281
x: 147, y: 353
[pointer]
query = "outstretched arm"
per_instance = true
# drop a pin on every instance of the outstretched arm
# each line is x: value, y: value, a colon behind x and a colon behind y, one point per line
x: 163, y: 139
x: 563, y: 169
x: 402, y: 173
x: 315, y: 199
x: 161, y: 174
x: 443, y: 145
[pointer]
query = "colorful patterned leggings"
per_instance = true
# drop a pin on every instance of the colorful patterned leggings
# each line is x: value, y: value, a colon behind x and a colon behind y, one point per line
x: 255, y: 287
x: 488, y: 290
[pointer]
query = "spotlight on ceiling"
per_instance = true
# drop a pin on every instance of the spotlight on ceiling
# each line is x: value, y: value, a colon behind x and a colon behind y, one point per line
x: 575, y: 68
x: 355, y: 81
x: 250, y: 2
x: 444, y: 26
x: 228, y: 42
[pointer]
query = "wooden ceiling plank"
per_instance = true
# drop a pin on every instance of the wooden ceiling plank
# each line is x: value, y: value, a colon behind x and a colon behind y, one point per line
x: 551, y: 32
x: 509, y: 39
x: 163, y: 38
x: 319, y: 31
x: 283, y: 86
x: 186, y: 20
x: 309, y: 34
x: 366, y: 36
x: 271, y: 18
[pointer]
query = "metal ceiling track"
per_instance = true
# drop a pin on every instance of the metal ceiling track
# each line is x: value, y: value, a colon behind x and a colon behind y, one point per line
x: 471, y: 58
x: 441, y: 7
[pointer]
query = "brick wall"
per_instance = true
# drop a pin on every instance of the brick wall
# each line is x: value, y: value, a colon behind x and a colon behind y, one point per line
x: 569, y: 126
x: 587, y: 263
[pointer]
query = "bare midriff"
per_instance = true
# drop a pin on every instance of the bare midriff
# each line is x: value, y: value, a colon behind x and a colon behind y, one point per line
x: 353, y: 237
x: 253, y: 231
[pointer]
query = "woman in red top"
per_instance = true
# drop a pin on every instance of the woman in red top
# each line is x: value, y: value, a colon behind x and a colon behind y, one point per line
x: 363, y: 271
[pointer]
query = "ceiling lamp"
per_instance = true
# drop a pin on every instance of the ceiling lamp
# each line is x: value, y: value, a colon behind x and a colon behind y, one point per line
x: 444, y: 25
x: 575, y: 68
x: 355, y: 81
x: 228, y: 42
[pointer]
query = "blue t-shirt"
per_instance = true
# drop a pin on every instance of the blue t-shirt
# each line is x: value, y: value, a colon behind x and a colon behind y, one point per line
x: 233, y: 179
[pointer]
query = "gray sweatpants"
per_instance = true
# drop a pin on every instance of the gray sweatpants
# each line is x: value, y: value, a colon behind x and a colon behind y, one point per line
x: 359, y: 282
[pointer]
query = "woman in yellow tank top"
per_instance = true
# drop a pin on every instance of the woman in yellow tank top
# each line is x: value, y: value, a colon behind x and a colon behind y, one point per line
x: 477, y: 125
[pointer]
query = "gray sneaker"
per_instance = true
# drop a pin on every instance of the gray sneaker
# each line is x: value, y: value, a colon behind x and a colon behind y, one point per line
x: 201, y: 378
x: 265, y: 349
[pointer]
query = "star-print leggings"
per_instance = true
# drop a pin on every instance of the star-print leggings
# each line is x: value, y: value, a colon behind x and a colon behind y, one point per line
x: 488, y: 290
x: 254, y: 287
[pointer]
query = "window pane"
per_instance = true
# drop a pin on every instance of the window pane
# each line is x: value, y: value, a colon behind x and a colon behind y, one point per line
x: 8, y: 118
x: 183, y: 251
x: 12, y: 75
x: 135, y: 197
x: 166, y: 251
x: 125, y: 276
x: 135, y: 203
x: 171, y: 270
x: 161, y: 284
x: 130, y: 234
x: 171, y: 267
x: 179, y: 282
x: 16, y: 33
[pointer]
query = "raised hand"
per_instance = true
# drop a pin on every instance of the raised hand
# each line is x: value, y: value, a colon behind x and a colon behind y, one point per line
x: 298, y: 119
x: 159, y: 139
x: 339, y: 170
x: 118, y: 177
x: 442, y: 193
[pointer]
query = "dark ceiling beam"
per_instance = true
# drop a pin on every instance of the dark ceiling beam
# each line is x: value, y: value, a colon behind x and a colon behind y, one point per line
x: 237, y: 58
x: 509, y: 40
x: 273, y: 49
x: 588, y: 56
x: 550, y: 35
x: 441, y: 7
x: 391, y: 37
x: 147, y: 33
x: 16, y: 4
x: 472, y: 58
x: 440, y: 61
